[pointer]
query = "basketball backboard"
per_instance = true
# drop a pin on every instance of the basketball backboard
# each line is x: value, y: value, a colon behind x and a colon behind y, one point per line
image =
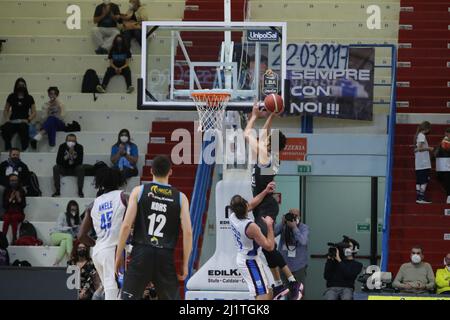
x: 247, y: 58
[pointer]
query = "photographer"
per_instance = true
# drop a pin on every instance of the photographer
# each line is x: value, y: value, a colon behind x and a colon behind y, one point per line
x: 341, y: 270
x: 294, y: 243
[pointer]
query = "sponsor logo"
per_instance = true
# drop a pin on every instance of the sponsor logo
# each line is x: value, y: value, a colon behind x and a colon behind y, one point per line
x: 161, y: 191
x: 262, y: 36
x: 229, y: 273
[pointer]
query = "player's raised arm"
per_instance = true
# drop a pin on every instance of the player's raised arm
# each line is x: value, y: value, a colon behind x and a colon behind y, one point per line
x: 127, y: 224
x: 260, y: 197
x: 186, y: 226
x: 254, y: 232
x: 250, y: 134
x: 85, y: 228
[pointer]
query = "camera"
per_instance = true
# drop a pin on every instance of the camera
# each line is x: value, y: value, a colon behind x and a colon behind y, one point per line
x: 289, y: 217
x: 341, y: 246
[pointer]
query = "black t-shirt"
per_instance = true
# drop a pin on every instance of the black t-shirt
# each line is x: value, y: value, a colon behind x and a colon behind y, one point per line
x: 20, y: 107
x: 107, y: 21
x: 119, y: 58
x: 261, y: 177
x: 158, y: 216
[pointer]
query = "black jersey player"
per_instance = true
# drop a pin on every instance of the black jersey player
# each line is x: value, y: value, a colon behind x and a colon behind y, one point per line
x: 157, y: 210
x: 267, y: 150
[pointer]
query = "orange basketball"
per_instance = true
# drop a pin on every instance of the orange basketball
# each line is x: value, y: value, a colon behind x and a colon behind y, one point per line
x: 274, y: 103
x: 445, y: 144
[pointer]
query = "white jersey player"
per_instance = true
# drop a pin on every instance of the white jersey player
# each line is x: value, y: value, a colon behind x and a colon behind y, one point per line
x: 249, y: 239
x: 105, y: 217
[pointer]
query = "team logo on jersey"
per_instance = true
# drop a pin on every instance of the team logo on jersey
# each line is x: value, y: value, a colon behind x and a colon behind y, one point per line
x: 155, y: 242
x: 162, y: 191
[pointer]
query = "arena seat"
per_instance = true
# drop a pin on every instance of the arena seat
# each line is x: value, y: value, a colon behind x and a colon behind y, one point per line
x: 157, y: 10
x: 38, y: 256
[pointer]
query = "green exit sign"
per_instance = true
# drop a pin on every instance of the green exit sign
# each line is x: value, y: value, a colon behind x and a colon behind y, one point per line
x: 365, y: 227
x: 304, y: 168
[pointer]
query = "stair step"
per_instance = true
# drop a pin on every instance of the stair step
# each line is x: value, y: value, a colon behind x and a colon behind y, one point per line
x: 402, y: 221
x: 424, y: 72
x: 169, y: 126
x: 426, y: 43
x: 408, y: 139
x: 183, y: 170
x: 437, y: 196
x: 424, y: 24
x: 411, y: 129
x: 427, y: 245
x: 424, y: 92
x: 432, y: 61
x: 420, y: 6
x: 419, y: 233
x: 215, y: 14
x: 159, y: 148
x: 414, y: 208
x: 423, y: 82
x: 423, y: 34
x: 424, y: 15
x: 410, y: 184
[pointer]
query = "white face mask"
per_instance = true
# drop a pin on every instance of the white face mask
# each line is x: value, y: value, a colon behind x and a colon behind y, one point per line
x: 415, y: 258
x: 348, y: 252
x: 124, y: 139
x: 131, y: 6
x: 71, y: 144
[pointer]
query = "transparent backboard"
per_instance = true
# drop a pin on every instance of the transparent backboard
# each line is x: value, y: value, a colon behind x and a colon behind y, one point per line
x: 247, y: 58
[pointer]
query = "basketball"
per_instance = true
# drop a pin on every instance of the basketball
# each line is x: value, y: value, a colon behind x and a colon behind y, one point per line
x: 445, y: 144
x: 274, y: 103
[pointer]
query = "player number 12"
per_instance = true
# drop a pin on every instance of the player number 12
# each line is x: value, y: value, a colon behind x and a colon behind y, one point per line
x: 161, y: 220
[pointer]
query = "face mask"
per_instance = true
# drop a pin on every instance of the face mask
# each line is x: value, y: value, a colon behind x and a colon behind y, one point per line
x: 71, y: 144
x: 14, y: 184
x: 124, y: 139
x: 15, y: 160
x: 82, y: 253
x: 415, y: 258
x: 73, y: 212
x: 348, y: 252
x: 131, y: 6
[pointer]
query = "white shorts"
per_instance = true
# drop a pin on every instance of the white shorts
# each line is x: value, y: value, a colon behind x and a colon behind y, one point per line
x: 253, y: 272
x: 104, y: 262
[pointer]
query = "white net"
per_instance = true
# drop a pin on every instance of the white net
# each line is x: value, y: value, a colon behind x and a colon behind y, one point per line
x: 211, y: 107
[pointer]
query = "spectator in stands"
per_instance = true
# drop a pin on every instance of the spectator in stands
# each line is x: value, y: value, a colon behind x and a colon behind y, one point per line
x: 14, y: 203
x: 69, y: 162
x: 132, y: 22
x: 53, y: 113
x: 422, y: 161
x: 89, y: 279
x: 443, y: 163
x: 4, y: 255
x: 293, y: 243
x: 66, y: 230
x: 415, y: 276
x: 443, y: 277
x: 119, y: 59
x: 14, y: 165
x: 20, y: 110
x: 106, y: 16
x: 341, y: 273
x: 125, y: 154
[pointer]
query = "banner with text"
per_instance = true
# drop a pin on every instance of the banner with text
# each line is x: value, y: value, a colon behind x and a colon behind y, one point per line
x: 329, y: 80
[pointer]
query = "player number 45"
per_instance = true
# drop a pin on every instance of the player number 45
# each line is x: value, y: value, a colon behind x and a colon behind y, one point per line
x: 105, y: 220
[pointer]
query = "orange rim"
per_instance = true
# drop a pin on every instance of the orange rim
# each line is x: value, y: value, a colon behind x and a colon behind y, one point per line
x: 200, y: 95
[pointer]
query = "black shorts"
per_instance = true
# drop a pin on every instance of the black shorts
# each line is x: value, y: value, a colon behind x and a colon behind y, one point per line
x: 423, y: 176
x: 269, y: 208
x: 151, y: 264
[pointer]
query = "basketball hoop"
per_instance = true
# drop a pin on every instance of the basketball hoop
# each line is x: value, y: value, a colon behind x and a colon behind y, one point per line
x: 211, y: 105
